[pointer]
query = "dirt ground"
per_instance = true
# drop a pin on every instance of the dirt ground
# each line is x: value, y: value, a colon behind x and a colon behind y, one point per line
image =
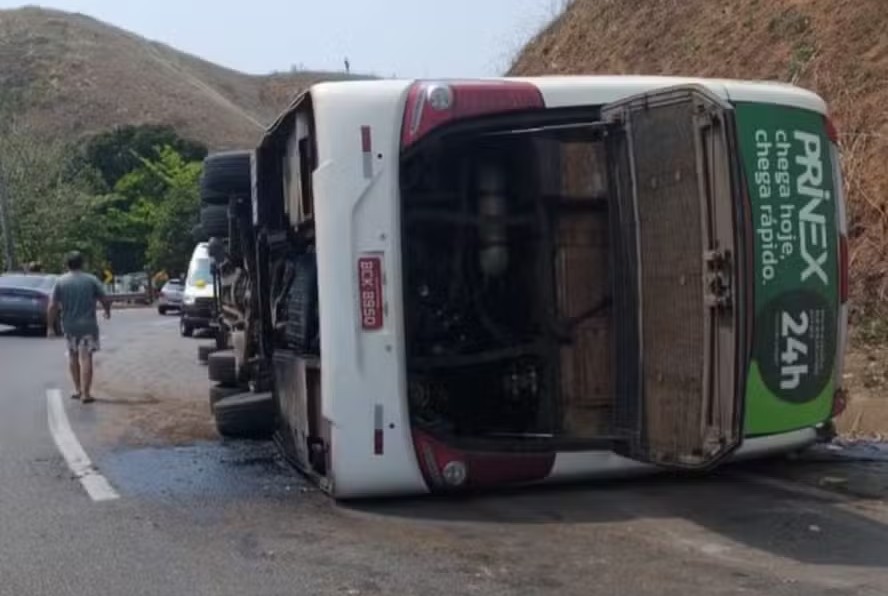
x: 166, y: 422
x: 150, y: 378
x: 866, y: 378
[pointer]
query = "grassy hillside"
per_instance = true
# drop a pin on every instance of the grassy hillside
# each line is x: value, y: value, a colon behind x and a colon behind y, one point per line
x: 838, y: 48
x: 69, y: 75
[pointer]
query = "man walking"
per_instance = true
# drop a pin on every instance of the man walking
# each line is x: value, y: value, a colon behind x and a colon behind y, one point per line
x: 76, y: 294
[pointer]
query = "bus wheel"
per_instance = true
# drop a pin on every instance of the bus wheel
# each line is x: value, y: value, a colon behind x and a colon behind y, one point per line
x: 220, y: 392
x: 245, y: 416
x: 222, y: 368
x: 204, y: 351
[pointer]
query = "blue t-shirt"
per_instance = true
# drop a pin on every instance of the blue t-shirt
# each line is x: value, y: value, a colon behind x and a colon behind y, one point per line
x: 76, y: 294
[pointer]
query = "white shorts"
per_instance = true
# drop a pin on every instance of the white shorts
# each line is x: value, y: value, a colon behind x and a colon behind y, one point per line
x: 78, y: 344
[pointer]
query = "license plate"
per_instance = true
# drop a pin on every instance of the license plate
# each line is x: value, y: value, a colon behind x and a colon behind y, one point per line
x: 370, y: 288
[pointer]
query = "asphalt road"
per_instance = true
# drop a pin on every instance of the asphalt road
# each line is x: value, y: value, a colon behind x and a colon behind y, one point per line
x: 202, y: 517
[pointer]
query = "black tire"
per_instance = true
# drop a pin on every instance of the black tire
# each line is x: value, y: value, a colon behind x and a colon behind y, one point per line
x: 214, y: 220
x: 225, y: 175
x: 220, y: 392
x: 214, y: 197
x: 185, y: 329
x: 204, y: 351
x: 246, y: 415
x: 302, y: 305
x: 162, y: 310
x: 235, y: 236
x: 221, y: 338
x: 222, y: 368
x: 198, y: 234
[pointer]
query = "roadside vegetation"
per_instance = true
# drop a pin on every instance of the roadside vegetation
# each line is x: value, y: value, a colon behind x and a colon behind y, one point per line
x: 128, y: 198
x: 832, y: 48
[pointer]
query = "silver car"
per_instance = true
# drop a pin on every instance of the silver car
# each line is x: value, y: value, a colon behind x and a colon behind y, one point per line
x: 170, y: 296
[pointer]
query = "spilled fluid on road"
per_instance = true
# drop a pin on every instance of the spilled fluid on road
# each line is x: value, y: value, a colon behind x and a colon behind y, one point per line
x: 226, y: 470
x: 856, y: 468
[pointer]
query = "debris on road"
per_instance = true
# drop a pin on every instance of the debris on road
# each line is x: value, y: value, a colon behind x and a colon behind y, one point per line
x: 833, y: 481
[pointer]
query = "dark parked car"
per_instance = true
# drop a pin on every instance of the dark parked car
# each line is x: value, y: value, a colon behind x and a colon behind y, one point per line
x: 24, y: 299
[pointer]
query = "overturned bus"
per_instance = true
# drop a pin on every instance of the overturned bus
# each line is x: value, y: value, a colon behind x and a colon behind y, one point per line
x: 444, y: 286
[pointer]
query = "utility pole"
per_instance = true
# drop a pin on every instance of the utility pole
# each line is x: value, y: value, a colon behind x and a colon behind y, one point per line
x: 6, y: 229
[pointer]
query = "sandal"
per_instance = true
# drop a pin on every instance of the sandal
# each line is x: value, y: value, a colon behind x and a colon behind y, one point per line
x: 87, y: 399
x: 75, y: 396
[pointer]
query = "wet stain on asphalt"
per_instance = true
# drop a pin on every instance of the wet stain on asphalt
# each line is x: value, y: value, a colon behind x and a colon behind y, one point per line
x: 857, y: 468
x: 861, y: 451
x: 215, y: 471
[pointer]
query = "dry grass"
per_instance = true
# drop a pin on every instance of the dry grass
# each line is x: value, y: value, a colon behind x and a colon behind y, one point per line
x: 71, y: 75
x: 838, y: 48
x: 866, y: 377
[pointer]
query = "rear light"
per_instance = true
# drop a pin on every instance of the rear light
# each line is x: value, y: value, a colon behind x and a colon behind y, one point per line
x: 446, y: 468
x: 378, y: 442
x: 432, y: 104
x: 843, y: 268
x: 831, y: 131
x: 378, y: 433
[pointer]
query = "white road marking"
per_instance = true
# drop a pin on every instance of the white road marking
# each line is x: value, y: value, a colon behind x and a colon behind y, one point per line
x: 97, y: 486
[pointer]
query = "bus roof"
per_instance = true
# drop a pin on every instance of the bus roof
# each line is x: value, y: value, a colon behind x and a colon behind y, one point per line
x: 558, y: 91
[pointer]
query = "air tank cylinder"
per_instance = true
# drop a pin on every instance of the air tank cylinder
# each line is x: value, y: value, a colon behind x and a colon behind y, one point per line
x: 492, y: 233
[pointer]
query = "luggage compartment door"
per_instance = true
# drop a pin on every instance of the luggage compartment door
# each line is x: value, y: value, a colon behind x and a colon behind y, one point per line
x: 679, y: 345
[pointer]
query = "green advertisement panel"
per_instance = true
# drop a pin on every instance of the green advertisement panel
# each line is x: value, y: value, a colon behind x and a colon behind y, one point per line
x: 787, y: 163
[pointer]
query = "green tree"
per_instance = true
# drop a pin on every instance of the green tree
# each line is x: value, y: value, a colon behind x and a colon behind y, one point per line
x: 51, y: 208
x: 164, y: 197
x: 170, y: 242
x: 137, y: 212
x: 116, y: 153
x: 131, y: 164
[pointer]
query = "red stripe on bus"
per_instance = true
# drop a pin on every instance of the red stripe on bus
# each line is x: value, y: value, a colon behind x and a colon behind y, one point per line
x: 366, y: 141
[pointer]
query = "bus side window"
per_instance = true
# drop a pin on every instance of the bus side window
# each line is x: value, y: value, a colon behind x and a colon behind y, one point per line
x: 306, y: 168
x: 299, y: 163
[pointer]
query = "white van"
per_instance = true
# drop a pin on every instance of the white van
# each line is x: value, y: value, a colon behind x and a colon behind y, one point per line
x: 472, y: 284
x: 199, y: 295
